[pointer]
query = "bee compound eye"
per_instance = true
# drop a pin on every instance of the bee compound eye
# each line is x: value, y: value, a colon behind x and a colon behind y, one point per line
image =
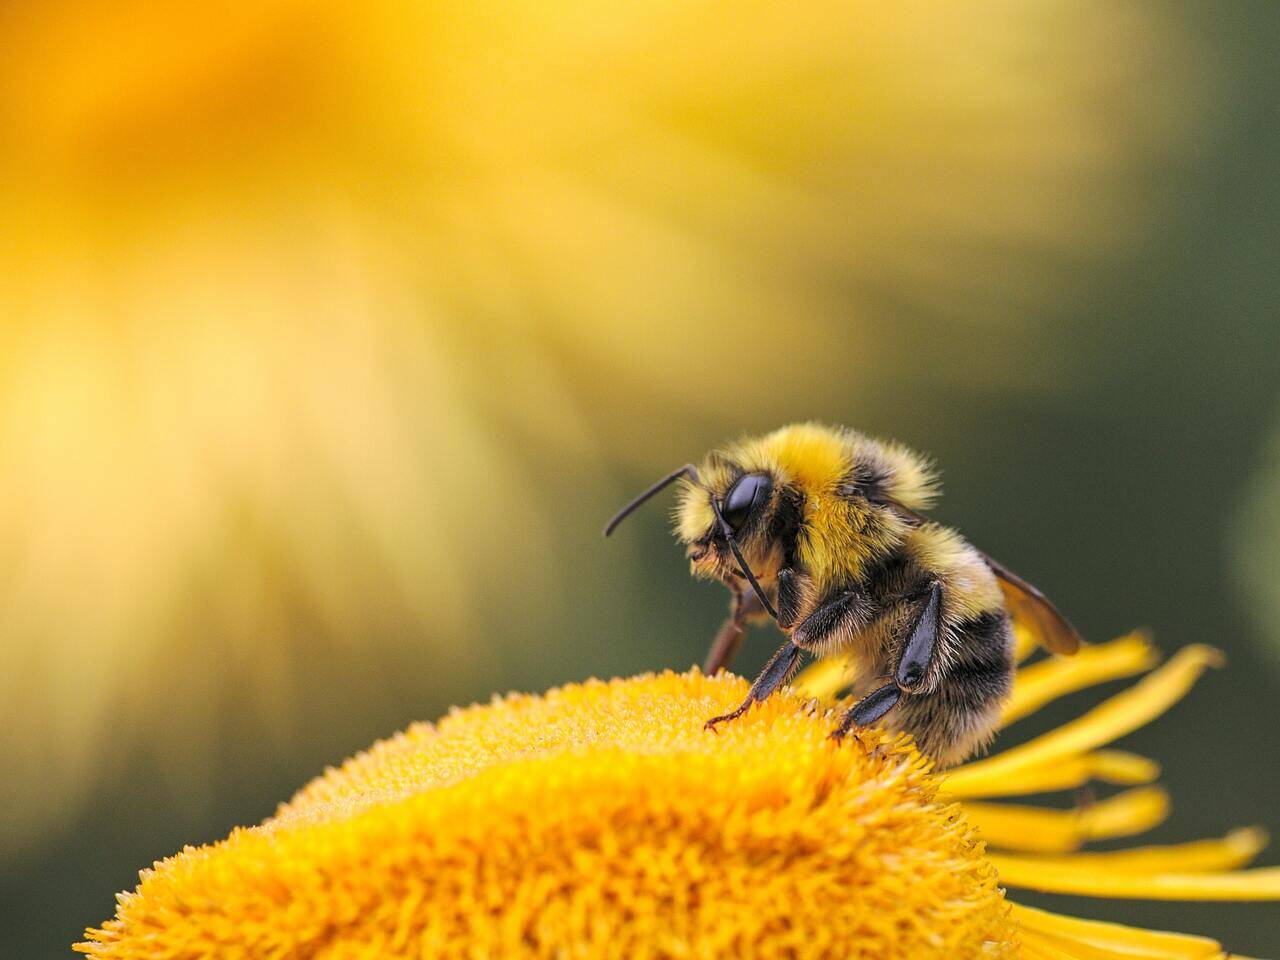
x: 746, y: 492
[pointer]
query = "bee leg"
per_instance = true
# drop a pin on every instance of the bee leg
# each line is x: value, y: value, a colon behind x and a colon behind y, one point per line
x: 774, y: 675
x: 837, y: 618
x: 727, y: 641
x: 913, y: 667
x: 917, y: 652
x: 869, y: 709
x: 790, y: 597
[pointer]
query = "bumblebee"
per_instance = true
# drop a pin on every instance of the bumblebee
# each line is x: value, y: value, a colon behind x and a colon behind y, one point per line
x: 821, y: 529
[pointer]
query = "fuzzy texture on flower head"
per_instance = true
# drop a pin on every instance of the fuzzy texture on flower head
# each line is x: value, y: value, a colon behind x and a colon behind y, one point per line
x: 601, y: 820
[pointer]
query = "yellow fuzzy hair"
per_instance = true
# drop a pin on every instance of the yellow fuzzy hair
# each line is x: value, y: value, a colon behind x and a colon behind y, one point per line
x: 815, y: 459
x: 973, y: 589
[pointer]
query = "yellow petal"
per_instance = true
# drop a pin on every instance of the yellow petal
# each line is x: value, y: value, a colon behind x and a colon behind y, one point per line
x: 1107, y: 766
x: 1024, y: 643
x: 1119, y: 766
x: 1041, y: 945
x: 1113, y: 939
x: 1121, y: 714
x: 1036, y: 948
x: 1018, y: 827
x: 1049, y: 679
x: 1032, y: 874
x: 1234, y: 850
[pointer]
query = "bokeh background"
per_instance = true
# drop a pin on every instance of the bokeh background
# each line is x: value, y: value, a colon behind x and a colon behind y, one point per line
x: 330, y: 334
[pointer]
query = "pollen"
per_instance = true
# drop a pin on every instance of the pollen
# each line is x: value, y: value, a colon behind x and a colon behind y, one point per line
x: 598, y: 820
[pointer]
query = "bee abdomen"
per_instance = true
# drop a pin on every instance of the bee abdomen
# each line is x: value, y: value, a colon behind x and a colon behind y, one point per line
x: 983, y: 658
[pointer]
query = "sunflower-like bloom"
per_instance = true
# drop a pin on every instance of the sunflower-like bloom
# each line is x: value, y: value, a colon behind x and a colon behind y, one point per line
x: 601, y: 820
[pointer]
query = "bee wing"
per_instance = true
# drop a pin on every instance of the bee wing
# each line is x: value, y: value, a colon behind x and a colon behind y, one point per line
x: 1024, y: 601
x: 1028, y: 605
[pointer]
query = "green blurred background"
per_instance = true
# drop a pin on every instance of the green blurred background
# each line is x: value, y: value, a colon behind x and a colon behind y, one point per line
x: 330, y: 335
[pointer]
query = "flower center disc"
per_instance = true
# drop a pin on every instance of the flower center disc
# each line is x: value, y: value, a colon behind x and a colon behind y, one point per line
x: 597, y: 820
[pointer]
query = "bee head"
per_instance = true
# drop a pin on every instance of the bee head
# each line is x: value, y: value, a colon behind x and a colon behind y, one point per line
x: 726, y: 522
x: 723, y: 518
x: 734, y: 508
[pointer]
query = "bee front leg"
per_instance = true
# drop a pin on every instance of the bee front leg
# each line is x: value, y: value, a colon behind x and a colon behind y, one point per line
x: 775, y: 674
x: 793, y: 588
x: 845, y: 612
x: 913, y: 666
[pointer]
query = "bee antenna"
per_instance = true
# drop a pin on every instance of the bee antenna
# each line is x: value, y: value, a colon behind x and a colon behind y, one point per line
x: 751, y: 577
x: 688, y: 470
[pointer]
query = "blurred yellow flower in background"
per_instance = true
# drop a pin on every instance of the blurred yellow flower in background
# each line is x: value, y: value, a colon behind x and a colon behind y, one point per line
x: 602, y: 820
x: 294, y: 291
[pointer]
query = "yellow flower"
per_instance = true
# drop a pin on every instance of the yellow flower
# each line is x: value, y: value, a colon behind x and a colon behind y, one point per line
x: 601, y: 820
